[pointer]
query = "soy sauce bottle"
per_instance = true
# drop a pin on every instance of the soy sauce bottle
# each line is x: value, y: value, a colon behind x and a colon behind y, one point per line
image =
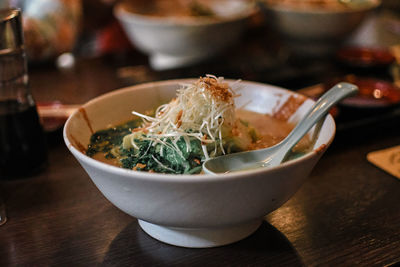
x: 22, y: 142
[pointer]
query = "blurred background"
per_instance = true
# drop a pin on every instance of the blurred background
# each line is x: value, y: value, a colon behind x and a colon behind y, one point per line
x: 291, y: 43
x: 269, y: 48
x: 297, y: 44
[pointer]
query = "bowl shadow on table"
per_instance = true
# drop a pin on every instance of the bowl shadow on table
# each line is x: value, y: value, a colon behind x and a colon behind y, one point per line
x: 132, y: 246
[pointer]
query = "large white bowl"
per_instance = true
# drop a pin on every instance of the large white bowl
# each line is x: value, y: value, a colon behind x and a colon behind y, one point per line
x: 174, y: 42
x: 192, y: 210
x: 316, y: 30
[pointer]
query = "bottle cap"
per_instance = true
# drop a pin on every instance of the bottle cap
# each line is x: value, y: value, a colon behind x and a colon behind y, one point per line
x: 11, y: 35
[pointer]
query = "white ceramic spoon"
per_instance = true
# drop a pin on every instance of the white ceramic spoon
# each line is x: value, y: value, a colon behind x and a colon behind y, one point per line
x: 273, y: 156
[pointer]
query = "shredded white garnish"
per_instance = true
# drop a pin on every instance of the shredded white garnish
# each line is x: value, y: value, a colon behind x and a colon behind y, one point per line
x: 204, y: 110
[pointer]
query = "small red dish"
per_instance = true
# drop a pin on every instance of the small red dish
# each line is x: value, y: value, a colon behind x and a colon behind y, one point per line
x: 54, y: 114
x: 365, y: 56
x: 373, y: 93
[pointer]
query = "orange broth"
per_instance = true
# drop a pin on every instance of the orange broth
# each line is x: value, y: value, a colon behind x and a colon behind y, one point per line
x: 269, y: 131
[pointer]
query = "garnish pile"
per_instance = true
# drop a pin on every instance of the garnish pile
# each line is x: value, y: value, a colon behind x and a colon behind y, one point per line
x: 196, y: 125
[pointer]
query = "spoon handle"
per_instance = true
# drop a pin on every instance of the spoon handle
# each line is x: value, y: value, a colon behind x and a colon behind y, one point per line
x: 319, y: 110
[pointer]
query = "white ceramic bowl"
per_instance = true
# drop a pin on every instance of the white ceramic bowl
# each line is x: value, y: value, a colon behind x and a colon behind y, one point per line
x: 317, y: 30
x: 192, y: 210
x: 173, y: 42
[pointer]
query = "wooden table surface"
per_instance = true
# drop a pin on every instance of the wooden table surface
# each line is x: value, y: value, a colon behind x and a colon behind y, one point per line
x: 346, y: 214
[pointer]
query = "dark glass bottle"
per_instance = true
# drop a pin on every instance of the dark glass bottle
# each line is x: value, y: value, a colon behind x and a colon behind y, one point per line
x: 22, y: 141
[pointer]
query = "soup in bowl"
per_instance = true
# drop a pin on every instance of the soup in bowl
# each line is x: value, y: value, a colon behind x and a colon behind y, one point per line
x: 191, y: 209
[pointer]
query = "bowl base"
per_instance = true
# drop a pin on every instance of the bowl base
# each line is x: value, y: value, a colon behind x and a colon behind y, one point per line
x: 312, y: 50
x: 200, y: 237
x: 160, y: 61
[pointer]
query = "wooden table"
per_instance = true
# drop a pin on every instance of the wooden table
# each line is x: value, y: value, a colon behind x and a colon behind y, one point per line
x: 347, y: 213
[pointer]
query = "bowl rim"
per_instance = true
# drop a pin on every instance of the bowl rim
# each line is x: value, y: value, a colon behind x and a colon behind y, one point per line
x: 121, y: 13
x: 321, y: 11
x: 185, y: 178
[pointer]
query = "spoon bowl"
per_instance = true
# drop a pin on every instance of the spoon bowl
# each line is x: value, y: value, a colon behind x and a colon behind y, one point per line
x: 273, y: 156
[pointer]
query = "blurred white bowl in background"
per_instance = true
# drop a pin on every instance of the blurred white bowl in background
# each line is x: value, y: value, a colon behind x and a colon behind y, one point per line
x: 173, y: 41
x: 310, y: 29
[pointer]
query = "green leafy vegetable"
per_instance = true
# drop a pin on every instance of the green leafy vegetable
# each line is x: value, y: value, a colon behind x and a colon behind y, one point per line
x: 150, y: 157
x: 105, y: 140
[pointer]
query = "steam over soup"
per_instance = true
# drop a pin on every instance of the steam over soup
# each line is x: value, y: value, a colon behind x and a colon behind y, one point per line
x: 201, y: 122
